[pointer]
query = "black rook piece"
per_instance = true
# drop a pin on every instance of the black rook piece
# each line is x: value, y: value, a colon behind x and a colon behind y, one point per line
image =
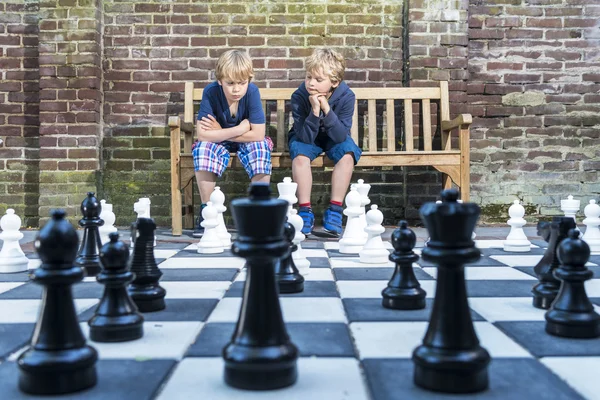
x: 116, y: 318
x: 450, y: 358
x: 145, y: 291
x: 58, y: 360
x: 87, y: 257
x: 403, y: 291
x: 546, y: 290
x: 260, y: 355
x: 572, y: 314
x: 288, y: 277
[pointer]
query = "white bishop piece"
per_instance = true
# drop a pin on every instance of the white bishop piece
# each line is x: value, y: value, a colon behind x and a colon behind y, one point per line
x: 287, y: 192
x: 517, y: 240
x: 592, y: 223
x: 12, y: 258
x: 210, y: 242
x: 142, y: 209
x: 300, y: 260
x: 218, y: 199
x: 374, y: 251
x: 353, y: 239
x: 570, y: 207
x: 363, y: 188
x: 108, y: 216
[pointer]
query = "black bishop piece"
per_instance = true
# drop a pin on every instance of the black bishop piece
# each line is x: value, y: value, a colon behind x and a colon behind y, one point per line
x: 59, y: 360
x: 88, y: 256
x: 403, y: 291
x: 451, y: 359
x: 260, y: 355
x: 546, y: 290
x: 145, y: 290
x: 288, y: 277
x: 116, y: 318
x: 572, y: 314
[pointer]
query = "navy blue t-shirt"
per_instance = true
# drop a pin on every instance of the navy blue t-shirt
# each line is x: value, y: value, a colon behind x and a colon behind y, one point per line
x: 214, y: 103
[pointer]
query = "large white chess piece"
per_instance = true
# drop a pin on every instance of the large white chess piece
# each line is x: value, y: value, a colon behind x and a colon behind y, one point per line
x: 374, y: 251
x: 592, y: 223
x: 12, y: 258
x: 142, y: 209
x: 108, y: 216
x: 210, y: 242
x: 300, y: 260
x: 287, y: 192
x: 516, y: 241
x: 363, y: 188
x: 570, y: 207
x: 218, y: 199
x: 353, y: 239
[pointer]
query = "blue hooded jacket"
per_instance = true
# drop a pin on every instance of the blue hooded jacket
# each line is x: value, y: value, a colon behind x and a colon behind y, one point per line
x: 336, y: 124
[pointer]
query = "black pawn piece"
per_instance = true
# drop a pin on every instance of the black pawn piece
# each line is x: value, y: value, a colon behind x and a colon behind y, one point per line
x: 145, y: 291
x: 546, y: 290
x: 451, y: 359
x: 572, y: 314
x: 403, y: 291
x: 116, y: 318
x: 260, y: 355
x: 288, y: 277
x: 88, y: 256
x: 59, y: 360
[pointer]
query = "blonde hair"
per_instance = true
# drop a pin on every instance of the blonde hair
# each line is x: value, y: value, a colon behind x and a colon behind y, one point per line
x: 235, y: 65
x: 332, y: 63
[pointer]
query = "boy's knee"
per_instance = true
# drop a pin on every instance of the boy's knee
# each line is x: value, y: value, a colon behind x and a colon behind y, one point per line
x: 301, y: 161
x: 347, y: 159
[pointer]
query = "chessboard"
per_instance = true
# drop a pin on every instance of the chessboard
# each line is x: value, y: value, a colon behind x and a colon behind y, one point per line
x: 350, y: 347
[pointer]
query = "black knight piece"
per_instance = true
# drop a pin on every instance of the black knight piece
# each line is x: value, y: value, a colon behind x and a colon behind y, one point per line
x: 403, y: 291
x: 116, y: 318
x: 260, y: 355
x: 572, y: 314
x: 288, y: 277
x: 145, y: 290
x: 59, y: 360
x: 546, y: 290
x: 451, y: 359
x: 88, y: 256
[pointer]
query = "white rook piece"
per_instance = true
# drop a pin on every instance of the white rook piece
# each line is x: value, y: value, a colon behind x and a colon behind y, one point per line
x: 287, y: 192
x: 353, y: 239
x: 218, y: 199
x: 108, y: 216
x: 592, y: 223
x: 301, y: 262
x: 570, y: 207
x: 210, y: 242
x: 12, y: 258
x: 363, y: 188
x: 517, y: 240
x: 374, y: 251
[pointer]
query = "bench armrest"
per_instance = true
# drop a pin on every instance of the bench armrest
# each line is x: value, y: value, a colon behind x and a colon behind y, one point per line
x: 462, y: 119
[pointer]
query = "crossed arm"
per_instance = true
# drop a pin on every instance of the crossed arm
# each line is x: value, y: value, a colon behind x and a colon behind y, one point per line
x: 209, y: 130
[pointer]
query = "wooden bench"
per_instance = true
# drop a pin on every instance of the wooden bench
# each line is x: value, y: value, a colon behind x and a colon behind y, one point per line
x: 380, y: 144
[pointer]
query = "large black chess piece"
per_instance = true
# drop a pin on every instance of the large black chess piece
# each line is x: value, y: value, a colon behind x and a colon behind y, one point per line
x: 546, y: 290
x: 287, y: 275
x: 260, y: 355
x: 88, y: 256
x: 451, y: 359
x: 572, y: 314
x: 116, y: 318
x: 59, y: 360
x: 403, y: 291
x: 145, y: 290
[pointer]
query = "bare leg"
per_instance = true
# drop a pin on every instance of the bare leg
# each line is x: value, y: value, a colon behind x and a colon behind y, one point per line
x: 261, y: 178
x: 340, y: 178
x: 206, y: 184
x: 302, y: 175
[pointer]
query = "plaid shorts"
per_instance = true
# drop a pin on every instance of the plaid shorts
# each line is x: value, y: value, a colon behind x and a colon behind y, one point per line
x: 214, y: 157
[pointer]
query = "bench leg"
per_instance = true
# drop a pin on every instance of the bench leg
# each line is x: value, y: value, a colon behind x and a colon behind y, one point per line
x: 188, y: 202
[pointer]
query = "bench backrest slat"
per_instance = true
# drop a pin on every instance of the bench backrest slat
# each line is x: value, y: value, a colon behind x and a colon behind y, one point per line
x: 391, y: 124
x: 408, y: 125
x: 281, y: 125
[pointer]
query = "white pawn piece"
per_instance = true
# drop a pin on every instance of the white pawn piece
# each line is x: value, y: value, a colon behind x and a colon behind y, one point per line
x: 287, y: 192
x: 592, y: 223
x: 363, y: 188
x: 218, y: 199
x: 300, y: 260
x: 374, y: 251
x: 142, y: 209
x: 353, y: 239
x: 210, y: 242
x: 570, y: 207
x: 516, y: 241
x: 12, y: 258
x: 108, y: 216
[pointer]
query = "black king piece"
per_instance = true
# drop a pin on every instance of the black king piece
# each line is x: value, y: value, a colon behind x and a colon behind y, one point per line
x: 260, y: 355
x: 450, y: 359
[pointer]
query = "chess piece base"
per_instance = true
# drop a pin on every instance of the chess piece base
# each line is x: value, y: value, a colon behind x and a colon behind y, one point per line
x: 403, y: 299
x: 148, y: 299
x: 290, y: 283
x: 544, y: 295
x: 561, y: 323
x: 517, y: 246
x: 90, y: 266
x: 116, y: 329
x: 14, y: 264
x: 57, y: 372
x: 350, y: 248
x: 210, y: 250
x: 374, y: 256
x: 251, y: 376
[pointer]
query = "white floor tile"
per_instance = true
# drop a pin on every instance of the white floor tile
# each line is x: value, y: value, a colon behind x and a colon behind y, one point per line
x: 315, y: 274
x: 506, y: 308
x: 488, y: 273
x: 6, y: 286
x: 33, y: 264
x: 318, y: 378
x: 164, y: 253
x: 336, y: 245
x: 488, y: 244
x: 203, y: 262
x: 354, y: 262
x: 581, y: 373
x: 16, y: 311
x: 524, y: 260
x: 314, y: 253
x: 195, y: 290
x: 193, y: 246
x: 372, y: 289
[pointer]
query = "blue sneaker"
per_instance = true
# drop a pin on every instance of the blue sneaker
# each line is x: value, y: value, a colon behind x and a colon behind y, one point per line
x: 309, y: 219
x: 332, y: 221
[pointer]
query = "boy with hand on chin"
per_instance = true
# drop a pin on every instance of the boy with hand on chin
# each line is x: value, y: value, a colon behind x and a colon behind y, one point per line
x: 322, y: 108
x: 230, y: 119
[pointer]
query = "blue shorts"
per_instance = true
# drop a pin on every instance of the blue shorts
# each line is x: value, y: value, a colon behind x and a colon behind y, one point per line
x: 334, y: 151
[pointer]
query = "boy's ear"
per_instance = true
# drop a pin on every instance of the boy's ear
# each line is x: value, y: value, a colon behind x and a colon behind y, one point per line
x: 219, y: 82
x: 334, y: 84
